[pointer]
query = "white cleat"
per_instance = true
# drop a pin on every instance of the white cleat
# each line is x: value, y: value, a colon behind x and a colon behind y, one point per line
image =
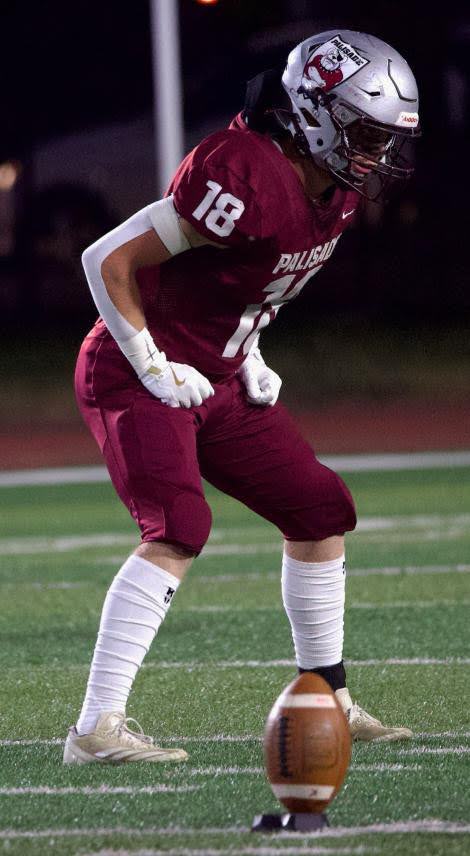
x: 112, y: 742
x: 365, y: 727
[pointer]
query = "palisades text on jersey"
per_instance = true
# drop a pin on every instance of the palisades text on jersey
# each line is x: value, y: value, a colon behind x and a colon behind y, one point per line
x: 306, y: 259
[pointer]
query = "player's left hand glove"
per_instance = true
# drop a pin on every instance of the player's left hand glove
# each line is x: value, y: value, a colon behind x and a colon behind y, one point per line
x: 262, y: 383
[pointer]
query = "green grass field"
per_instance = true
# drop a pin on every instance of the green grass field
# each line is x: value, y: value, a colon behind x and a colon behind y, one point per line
x: 217, y: 666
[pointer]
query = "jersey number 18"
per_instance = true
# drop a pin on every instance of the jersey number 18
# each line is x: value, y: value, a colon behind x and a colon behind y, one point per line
x: 221, y: 218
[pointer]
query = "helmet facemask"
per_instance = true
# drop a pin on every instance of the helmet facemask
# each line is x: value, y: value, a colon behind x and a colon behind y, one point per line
x: 366, y: 155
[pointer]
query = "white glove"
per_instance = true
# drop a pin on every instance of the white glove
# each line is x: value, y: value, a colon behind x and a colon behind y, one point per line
x: 262, y: 383
x: 175, y: 384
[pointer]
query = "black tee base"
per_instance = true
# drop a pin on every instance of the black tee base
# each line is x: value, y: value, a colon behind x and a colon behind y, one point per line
x: 296, y: 822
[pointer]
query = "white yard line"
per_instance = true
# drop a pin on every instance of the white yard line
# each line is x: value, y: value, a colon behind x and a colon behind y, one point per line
x: 443, y: 735
x: 224, y: 771
x: 44, y: 586
x: 69, y: 543
x: 392, y: 571
x: 53, y: 475
x: 223, y: 738
x: 385, y: 768
x: 431, y: 825
x: 344, y: 463
x: 399, y: 604
x: 31, y: 741
x: 408, y: 604
x: 416, y: 536
x: 409, y: 570
x: 64, y: 543
x: 406, y: 570
x: 101, y: 831
x: 212, y: 770
x: 243, y: 851
x: 413, y: 661
x: 425, y: 526
x: 440, y: 750
x: 194, y: 771
x: 258, y: 771
x: 224, y: 608
x: 410, y: 521
x: 240, y: 549
x: 272, y: 664
x: 102, y: 790
x: 216, y: 738
x: 396, y: 461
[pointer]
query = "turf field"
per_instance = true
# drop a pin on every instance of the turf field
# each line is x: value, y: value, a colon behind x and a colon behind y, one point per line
x: 220, y: 660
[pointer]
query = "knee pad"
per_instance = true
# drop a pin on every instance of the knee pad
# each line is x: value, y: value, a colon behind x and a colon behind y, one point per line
x: 185, y: 519
x: 324, y: 508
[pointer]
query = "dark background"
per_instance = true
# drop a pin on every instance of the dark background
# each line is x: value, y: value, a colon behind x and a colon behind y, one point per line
x: 390, y: 314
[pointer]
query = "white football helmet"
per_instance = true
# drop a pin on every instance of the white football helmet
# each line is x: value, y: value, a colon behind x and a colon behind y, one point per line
x: 354, y: 104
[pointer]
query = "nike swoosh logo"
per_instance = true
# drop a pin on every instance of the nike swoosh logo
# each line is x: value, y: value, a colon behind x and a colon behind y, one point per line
x: 347, y: 213
x: 176, y: 380
x: 156, y: 371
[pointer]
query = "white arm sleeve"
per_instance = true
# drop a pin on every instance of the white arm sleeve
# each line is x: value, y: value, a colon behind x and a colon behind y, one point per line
x: 160, y: 216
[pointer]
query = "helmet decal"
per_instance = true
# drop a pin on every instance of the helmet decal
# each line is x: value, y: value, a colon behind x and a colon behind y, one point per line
x: 407, y: 118
x: 330, y: 64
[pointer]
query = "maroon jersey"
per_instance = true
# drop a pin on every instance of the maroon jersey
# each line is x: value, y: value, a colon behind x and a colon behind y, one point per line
x: 205, y: 307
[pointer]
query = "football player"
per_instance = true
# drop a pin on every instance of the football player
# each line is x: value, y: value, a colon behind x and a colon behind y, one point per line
x: 171, y: 380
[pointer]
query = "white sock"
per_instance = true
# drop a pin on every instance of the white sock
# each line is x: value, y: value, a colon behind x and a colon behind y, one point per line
x: 313, y: 597
x: 134, y: 607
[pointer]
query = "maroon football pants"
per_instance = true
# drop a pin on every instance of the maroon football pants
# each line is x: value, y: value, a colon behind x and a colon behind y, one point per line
x: 156, y: 456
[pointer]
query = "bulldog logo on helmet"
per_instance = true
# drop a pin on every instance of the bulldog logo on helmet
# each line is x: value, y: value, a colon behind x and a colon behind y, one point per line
x: 330, y: 64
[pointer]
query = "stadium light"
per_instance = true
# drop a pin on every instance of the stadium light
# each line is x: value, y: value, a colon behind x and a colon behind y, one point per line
x: 167, y: 89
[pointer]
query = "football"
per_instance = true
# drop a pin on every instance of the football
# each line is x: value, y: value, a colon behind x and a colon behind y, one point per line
x: 307, y: 745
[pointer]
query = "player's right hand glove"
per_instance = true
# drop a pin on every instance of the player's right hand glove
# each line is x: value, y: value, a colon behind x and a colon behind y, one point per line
x: 175, y: 384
